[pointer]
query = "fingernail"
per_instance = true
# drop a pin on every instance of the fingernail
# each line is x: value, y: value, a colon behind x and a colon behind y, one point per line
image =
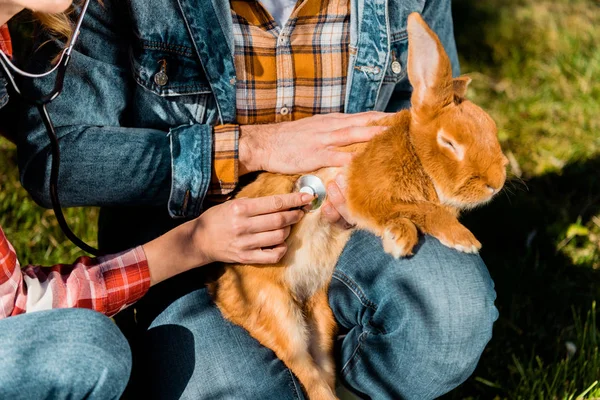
x: 327, y: 208
x: 307, y: 197
x: 341, y: 181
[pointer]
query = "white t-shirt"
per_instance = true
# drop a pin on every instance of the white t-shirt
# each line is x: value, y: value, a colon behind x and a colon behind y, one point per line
x: 279, y: 9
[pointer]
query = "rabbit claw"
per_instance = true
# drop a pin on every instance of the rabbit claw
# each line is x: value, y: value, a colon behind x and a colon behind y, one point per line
x: 459, y: 238
x: 399, y: 242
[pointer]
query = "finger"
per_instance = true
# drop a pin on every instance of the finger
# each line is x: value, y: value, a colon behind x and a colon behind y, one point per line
x: 271, y: 222
x: 338, y: 200
x: 267, y: 239
x: 333, y: 158
x: 267, y: 256
x: 280, y: 202
x: 365, y: 118
x: 330, y: 122
x: 335, y: 194
x: 356, y: 134
x: 329, y: 213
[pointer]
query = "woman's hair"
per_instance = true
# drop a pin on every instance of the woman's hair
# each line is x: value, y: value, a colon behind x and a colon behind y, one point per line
x: 57, y: 25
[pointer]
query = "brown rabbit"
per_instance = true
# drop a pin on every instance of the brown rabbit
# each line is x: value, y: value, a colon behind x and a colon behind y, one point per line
x: 434, y: 160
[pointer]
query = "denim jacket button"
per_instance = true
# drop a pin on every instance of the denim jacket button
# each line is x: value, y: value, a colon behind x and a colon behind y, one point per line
x: 160, y: 78
x: 396, y: 67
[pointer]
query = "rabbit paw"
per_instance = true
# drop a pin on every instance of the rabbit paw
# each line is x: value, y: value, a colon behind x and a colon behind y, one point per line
x: 460, y: 238
x: 400, y: 239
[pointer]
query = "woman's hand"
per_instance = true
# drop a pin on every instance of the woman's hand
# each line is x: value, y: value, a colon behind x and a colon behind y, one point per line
x: 9, y: 8
x: 305, y: 145
x: 249, y: 231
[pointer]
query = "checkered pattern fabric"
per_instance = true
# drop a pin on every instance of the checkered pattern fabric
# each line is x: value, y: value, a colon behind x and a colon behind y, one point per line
x: 284, y: 73
x: 5, y: 42
x: 105, y: 284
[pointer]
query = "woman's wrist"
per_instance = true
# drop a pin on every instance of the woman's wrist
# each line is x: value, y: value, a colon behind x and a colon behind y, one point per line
x: 175, y: 252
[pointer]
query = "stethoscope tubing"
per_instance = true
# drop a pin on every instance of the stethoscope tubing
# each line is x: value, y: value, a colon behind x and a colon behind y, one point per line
x: 60, y: 69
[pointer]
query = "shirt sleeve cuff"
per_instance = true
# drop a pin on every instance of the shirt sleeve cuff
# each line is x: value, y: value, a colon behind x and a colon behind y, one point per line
x: 126, y: 278
x: 191, y: 167
x: 224, y: 176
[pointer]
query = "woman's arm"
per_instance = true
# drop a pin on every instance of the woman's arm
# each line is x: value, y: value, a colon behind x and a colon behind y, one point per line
x: 244, y: 230
x: 105, y: 284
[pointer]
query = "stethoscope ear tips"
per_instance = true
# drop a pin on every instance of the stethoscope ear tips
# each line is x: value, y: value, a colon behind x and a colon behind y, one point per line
x: 313, y: 185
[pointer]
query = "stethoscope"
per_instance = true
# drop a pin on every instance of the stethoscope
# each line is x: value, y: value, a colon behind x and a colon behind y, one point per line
x: 307, y: 183
x: 41, y: 102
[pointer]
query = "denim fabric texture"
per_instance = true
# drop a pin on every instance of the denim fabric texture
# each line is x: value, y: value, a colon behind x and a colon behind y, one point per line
x: 140, y: 147
x: 113, y: 113
x: 62, y: 354
x: 413, y: 329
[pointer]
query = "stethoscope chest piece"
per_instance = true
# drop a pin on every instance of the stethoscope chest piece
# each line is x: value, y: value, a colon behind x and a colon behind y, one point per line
x: 312, y: 184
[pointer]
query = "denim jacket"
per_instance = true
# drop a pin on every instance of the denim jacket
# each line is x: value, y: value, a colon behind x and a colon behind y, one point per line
x: 129, y: 137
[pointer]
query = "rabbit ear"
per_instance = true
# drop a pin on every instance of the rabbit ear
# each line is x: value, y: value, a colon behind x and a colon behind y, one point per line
x: 429, y: 69
x: 460, y: 86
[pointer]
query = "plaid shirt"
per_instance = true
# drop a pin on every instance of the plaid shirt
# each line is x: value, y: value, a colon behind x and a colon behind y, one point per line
x: 5, y: 42
x: 106, y: 284
x: 283, y: 73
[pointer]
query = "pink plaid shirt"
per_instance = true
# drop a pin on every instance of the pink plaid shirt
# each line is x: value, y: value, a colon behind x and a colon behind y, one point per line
x: 5, y: 42
x: 106, y: 284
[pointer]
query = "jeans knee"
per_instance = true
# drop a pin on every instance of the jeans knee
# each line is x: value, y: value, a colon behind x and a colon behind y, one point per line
x: 446, y: 319
x: 98, y: 344
x: 76, y: 353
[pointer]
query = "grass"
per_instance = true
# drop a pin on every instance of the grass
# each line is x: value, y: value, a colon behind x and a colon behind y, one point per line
x: 33, y: 231
x: 536, y: 68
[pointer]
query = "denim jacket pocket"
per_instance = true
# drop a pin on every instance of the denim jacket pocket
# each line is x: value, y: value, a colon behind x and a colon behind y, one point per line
x: 175, y: 89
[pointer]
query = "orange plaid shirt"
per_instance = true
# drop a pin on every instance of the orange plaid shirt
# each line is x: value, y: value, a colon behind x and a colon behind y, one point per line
x: 283, y: 73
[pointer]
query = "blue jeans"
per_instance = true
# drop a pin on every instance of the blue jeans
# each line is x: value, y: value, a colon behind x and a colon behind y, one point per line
x: 414, y: 329
x: 62, y: 354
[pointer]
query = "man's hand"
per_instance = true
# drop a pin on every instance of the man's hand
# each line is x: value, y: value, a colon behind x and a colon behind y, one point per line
x: 305, y: 145
x: 9, y: 8
x: 335, y: 210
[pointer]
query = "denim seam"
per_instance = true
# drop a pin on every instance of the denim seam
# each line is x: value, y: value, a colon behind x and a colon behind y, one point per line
x: 174, y: 48
x: 347, y: 367
x: 194, y: 89
x: 345, y: 279
x: 294, y: 386
x: 398, y: 36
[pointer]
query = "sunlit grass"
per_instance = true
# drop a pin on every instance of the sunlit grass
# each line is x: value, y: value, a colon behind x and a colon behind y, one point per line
x: 33, y: 231
x: 536, y: 69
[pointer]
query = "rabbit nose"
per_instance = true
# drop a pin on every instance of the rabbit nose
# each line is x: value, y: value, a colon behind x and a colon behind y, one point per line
x: 491, y: 189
